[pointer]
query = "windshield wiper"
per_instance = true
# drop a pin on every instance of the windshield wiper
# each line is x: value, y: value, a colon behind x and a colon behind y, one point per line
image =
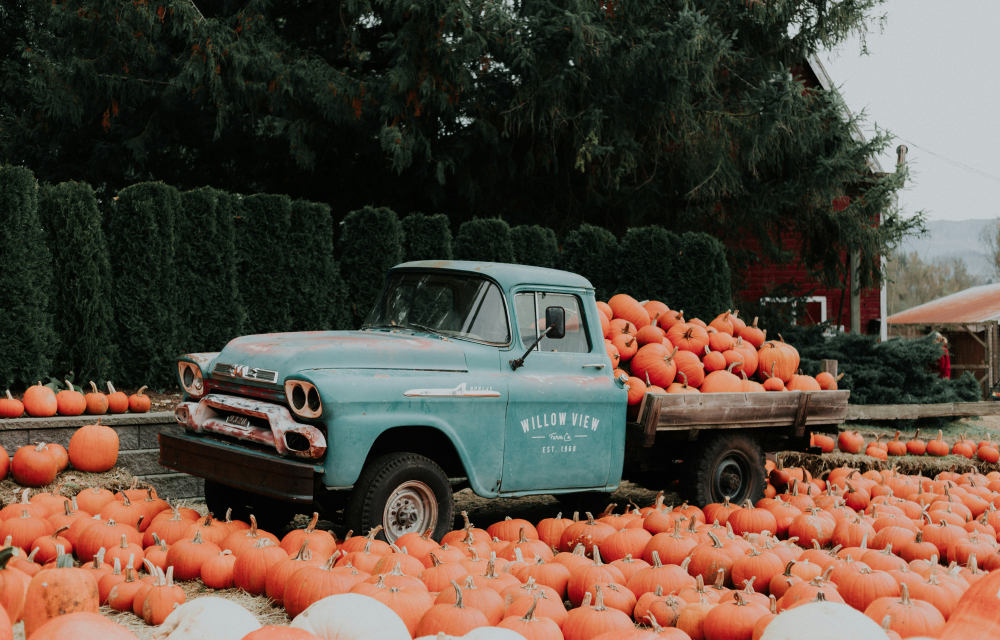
x: 425, y: 329
x: 381, y: 326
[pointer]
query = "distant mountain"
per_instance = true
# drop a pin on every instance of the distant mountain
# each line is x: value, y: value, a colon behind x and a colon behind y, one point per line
x: 953, y: 239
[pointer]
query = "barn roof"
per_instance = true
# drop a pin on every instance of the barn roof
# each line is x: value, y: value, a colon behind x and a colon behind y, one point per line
x: 973, y: 305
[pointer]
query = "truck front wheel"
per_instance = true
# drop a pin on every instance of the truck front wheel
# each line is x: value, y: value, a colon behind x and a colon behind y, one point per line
x: 726, y: 465
x: 404, y: 493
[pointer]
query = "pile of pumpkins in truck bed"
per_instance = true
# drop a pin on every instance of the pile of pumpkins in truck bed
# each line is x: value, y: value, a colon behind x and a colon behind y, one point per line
x: 661, y: 351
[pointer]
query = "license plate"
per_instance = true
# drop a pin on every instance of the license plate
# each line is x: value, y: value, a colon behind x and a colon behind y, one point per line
x: 240, y: 422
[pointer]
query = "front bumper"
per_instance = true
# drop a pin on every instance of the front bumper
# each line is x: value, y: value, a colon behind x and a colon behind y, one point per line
x: 259, y: 473
x: 268, y: 424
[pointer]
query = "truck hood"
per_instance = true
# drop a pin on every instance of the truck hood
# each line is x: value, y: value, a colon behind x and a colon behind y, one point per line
x: 287, y: 353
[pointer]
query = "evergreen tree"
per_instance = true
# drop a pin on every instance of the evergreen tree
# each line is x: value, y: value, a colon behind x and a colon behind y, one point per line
x: 426, y: 237
x: 140, y: 235
x: 485, y: 240
x: 209, y: 310
x: 81, y: 303
x: 312, y: 267
x: 370, y: 244
x: 535, y: 245
x: 592, y: 252
x: 266, y: 279
x: 27, y: 340
x: 894, y: 372
x: 690, y: 114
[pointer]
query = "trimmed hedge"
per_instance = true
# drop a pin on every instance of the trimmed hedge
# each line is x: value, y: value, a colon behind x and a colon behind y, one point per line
x: 317, y: 292
x: 265, y: 280
x: 426, y: 237
x: 370, y: 244
x: 646, y: 266
x: 27, y: 339
x: 209, y: 311
x: 81, y: 302
x: 592, y: 252
x: 535, y: 245
x: 140, y: 229
x: 484, y: 239
x: 700, y: 277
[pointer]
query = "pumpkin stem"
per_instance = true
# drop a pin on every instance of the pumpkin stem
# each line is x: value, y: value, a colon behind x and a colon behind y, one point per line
x: 720, y: 580
x: 118, y: 567
x: 312, y: 523
x: 459, y: 603
x: 65, y: 561
x: 99, y: 558
x: 599, y: 599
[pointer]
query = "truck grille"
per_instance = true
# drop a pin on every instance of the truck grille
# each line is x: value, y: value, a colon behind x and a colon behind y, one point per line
x: 243, y: 372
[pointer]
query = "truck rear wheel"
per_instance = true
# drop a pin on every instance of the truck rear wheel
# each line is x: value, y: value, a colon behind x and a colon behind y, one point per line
x: 726, y: 465
x: 271, y: 514
x: 404, y: 493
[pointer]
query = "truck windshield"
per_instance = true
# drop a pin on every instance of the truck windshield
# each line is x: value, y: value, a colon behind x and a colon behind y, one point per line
x: 454, y: 305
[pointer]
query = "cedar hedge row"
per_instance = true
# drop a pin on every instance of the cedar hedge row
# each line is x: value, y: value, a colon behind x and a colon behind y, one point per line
x: 27, y: 339
x: 162, y: 272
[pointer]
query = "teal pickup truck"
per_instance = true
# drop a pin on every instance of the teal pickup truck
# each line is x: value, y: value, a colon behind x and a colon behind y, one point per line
x: 488, y: 376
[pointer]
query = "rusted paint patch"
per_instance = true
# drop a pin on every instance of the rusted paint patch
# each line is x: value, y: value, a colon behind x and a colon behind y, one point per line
x: 210, y: 415
x: 201, y: 358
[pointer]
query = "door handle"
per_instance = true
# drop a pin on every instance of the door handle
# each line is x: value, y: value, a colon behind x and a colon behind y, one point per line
x: 596, y: 366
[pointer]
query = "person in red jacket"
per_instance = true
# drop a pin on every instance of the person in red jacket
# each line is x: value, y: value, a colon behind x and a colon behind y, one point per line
x: 943, y: 366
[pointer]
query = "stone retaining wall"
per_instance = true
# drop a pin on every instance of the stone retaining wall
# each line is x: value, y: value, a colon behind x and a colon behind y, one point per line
x: 139, y: 451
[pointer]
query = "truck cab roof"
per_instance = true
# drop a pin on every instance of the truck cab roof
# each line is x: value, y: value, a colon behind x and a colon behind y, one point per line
x: 506, y: 275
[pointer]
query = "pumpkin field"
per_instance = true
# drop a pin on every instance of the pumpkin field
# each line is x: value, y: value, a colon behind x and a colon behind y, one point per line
x: 876, y: 554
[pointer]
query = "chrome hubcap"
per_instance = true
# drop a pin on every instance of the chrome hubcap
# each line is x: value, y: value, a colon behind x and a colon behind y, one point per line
x: 412, y: 507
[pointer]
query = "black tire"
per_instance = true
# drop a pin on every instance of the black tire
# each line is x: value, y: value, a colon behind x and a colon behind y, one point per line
x: 728, y: 464
x: 271, y: 514
x: 381, y: 479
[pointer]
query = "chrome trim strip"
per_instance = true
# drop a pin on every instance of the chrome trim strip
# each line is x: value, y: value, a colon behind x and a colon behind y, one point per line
x: 461, y: 391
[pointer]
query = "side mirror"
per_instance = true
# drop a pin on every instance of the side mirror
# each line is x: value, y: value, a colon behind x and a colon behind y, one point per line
x: 555, y: 323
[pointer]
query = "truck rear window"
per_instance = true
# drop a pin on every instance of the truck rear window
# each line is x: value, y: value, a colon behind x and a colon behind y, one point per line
x: 458, y: 306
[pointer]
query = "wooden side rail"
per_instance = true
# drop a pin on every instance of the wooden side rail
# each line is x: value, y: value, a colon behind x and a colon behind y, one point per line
x: 798, y: 409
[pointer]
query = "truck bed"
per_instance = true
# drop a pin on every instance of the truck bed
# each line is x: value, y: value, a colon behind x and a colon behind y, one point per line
x: 815, y: 410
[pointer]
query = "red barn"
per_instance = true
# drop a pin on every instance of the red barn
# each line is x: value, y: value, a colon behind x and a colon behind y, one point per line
x: 865, y: 312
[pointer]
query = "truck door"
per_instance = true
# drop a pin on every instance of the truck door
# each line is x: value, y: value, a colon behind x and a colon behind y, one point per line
x: 560, y: 413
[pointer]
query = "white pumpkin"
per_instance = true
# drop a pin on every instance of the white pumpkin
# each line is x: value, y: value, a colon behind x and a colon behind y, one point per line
x: 823, y: 621
x: 207, y: 617
x: 350, y: 616
x: 492, y: 633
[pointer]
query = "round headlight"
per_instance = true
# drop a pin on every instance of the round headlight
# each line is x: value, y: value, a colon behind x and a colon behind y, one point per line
x: 298, y: 397
x: 303, y: 398
x: 191, y: 379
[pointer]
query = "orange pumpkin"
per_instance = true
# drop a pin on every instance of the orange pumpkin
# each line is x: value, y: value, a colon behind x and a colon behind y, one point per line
x: 70, y: 402
x: 162, y: 598
x: 94, y: 448
x: 321, y: 543
x: 10, y: 407
x: 97, y: 402
x: 82, y: 626
x: 138, y: 402
x: 117, y: 401
x: 40, y: 402
x: 33, y: 466
x: 58, y: 591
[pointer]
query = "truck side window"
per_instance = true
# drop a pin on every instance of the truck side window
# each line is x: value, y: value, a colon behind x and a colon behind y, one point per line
x: 530, y: 308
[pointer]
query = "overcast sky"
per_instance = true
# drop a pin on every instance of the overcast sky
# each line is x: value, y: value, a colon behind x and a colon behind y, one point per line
x: 931, y: 79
